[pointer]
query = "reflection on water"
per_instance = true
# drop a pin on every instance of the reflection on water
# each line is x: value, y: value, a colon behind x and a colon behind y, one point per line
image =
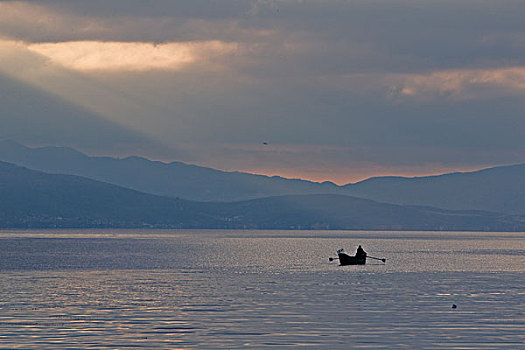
x: 224, y: 289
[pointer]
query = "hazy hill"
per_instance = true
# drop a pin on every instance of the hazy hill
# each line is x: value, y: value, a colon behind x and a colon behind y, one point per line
x: 498, y: 189
x: 345, y: 212
x: 35, y: 199
x: 174, y: 179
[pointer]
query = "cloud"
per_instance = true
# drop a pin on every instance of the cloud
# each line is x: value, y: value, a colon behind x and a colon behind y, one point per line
x: 329, y: 37
x: 124, y: 21
x: 465, y: 84
x: 131, y: 56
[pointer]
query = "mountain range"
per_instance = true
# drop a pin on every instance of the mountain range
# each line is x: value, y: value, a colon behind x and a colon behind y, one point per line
x: 34, y: 199
x: 175, y: 179
x: 498, y: 189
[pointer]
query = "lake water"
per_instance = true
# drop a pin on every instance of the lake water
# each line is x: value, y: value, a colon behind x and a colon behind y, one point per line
x: 176, y: 289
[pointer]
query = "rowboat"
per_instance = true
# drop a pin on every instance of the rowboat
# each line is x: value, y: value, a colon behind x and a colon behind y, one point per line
x: 358, y: 259
x: 345, y: 259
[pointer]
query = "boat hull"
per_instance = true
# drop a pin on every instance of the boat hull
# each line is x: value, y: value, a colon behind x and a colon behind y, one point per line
x: 345, y: 259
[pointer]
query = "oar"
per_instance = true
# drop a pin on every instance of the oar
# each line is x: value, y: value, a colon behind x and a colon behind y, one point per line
x: 381, y: 259
x: 332, y: 259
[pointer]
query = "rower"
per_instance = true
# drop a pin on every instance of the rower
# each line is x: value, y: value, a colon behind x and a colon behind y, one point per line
x: 360, y: 252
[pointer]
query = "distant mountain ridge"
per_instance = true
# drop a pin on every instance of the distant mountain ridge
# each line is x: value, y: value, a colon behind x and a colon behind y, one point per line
x: 498, y: 189
x: 175, y: 179
x: 33, y: 199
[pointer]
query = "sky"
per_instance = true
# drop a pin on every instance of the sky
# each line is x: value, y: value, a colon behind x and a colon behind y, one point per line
x: 320, y: 90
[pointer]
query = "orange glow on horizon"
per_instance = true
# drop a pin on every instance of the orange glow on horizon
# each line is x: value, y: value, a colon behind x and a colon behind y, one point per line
x: 351, y: 176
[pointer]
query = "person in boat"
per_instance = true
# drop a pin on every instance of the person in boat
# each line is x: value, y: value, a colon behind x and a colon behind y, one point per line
x: 360, y: 253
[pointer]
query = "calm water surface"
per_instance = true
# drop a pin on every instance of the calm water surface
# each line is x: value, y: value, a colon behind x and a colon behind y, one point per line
x: 260, y: 289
